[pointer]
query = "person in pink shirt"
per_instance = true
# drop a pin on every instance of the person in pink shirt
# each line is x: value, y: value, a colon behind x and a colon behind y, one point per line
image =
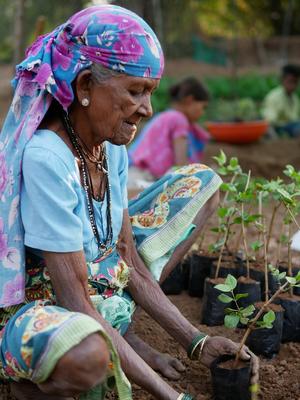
x: 171, y: 138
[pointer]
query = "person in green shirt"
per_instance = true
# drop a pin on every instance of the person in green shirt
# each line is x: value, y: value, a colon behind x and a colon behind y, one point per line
x: 282, y: 106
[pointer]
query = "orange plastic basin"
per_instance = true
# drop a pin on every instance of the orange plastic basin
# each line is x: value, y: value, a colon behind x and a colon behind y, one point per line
x: 237, y: 132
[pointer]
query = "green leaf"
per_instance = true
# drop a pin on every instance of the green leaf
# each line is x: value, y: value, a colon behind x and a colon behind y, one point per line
x: 229, y: 310
x: 281, y: 275
x: 234, y: 162
x: 230, y: 281
x: 224, y: 298
x: 216, y: 230
x: 222, y: 171
x: 291, y: 280
x: 231, y: 321
x: 222, y: 212
x: 269, y: 318
x: 221, y: 158
x: 227, y: 187
x: 241, y: 296
x: 256, y: 245
x: 237, y: 220
x: 297, y: 277
x: 248, y: 311
x: 223, y: 288
x: 244, y: 320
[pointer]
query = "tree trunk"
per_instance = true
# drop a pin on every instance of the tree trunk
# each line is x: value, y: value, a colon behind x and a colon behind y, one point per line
x: 19, y: 30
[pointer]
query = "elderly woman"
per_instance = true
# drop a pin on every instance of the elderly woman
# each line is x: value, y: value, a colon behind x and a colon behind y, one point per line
x: 75, y: 259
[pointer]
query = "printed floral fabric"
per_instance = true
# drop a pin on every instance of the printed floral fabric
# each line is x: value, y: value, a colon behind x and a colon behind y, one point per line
x: 161, y: 216
x: 110, y: 35
x: 32, y: 338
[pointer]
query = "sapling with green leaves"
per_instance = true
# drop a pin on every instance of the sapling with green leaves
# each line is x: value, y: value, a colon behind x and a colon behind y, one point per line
x: 288, y: 195
x: 245, y: 196
x: 273, y: 189
x: 230, y: 170
x: 245, y: 315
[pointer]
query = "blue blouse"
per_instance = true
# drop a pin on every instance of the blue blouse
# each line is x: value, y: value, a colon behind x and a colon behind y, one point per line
x: 53, y: 203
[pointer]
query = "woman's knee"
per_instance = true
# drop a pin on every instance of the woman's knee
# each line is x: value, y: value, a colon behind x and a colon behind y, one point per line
x: 214, y: 200
x: 80, y: 369
x: 208, y: 208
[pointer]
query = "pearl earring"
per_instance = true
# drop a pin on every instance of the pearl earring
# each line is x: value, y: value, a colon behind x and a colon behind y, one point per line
x: 85, y: 102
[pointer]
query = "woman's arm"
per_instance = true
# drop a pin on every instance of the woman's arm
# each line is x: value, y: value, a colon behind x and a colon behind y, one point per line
x: 147, y: 293
x: 69, y: 277
x: 180, y: 148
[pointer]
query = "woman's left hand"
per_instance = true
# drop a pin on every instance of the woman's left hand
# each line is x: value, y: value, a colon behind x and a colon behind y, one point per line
x: 217, y: 346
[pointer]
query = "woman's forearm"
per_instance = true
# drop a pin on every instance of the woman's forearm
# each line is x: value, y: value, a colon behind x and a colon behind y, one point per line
x: 69, y: 279
x: 147, y: 293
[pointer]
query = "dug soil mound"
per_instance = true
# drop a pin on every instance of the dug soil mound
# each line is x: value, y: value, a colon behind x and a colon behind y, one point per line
x: 280, y: 377
x: 265, y: 158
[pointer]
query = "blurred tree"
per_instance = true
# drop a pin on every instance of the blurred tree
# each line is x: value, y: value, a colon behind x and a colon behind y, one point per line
x: 19, y: 25
x: 175, y: 21
x: 55, y: 12
x: 181, y: 19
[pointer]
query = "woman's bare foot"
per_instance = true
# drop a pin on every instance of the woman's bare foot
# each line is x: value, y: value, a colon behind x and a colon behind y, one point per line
x: 27, y: 390
x: 168, y: 366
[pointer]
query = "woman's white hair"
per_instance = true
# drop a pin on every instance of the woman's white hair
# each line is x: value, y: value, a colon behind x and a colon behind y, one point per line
x: 101, y: 74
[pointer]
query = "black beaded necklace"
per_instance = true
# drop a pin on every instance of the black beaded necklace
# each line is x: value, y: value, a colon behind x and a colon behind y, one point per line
x: 87, y: 186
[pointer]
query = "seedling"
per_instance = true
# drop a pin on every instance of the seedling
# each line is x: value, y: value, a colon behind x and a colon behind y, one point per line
x: 245, y: 315
x: 227, y: 210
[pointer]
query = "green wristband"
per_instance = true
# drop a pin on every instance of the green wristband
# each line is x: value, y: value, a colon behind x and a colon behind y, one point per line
x: 195, y: 343
x: 185, y: 396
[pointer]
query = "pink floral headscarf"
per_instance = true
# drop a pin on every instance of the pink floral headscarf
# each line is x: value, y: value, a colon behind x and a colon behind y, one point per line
x: 109, y: 35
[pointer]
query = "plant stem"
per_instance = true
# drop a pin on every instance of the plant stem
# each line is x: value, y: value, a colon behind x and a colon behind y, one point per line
x: 221, y: 251
x: 270, y: 230
x: 293, y: 216
x: 202, y: 236
x: 256, y: 318
x: 237, y: 244
x: 225, y: 199
x: 243, y: 229
x: 278, y: 253
x: 227, y: 193
x: 261, y: 217
x: 235, y: 301
x: 245, y: 244
x: 290, y: 269
x: 266, y: 267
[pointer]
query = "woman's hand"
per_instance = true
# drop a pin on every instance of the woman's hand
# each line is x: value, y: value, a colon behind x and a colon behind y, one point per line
x: 217, y: 346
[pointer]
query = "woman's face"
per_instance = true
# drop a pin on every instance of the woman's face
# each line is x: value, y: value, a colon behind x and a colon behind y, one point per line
x: 196, y: 109
x: 116, y: 108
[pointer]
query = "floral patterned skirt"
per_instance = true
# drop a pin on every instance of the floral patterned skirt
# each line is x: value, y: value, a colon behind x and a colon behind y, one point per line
x: 161, y: 217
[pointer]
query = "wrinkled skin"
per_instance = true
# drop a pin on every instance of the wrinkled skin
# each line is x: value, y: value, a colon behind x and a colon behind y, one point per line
x: 115, y: 110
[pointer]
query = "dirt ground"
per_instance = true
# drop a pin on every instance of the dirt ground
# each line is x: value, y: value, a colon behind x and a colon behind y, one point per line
x: 280, y: 377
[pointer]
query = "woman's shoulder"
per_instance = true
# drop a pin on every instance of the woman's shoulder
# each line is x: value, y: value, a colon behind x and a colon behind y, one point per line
x: 45, y: 142
x: 173, y: 117
x: 115, y: 152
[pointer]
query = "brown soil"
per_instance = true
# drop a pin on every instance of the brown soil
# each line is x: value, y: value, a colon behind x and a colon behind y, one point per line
x: 287, y: 296
x: 244, y: 279
x: 226, y: 263
x: 232, y: 364
x: 273, y: 307
x: 280, y: 377
x: 216, y: 281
